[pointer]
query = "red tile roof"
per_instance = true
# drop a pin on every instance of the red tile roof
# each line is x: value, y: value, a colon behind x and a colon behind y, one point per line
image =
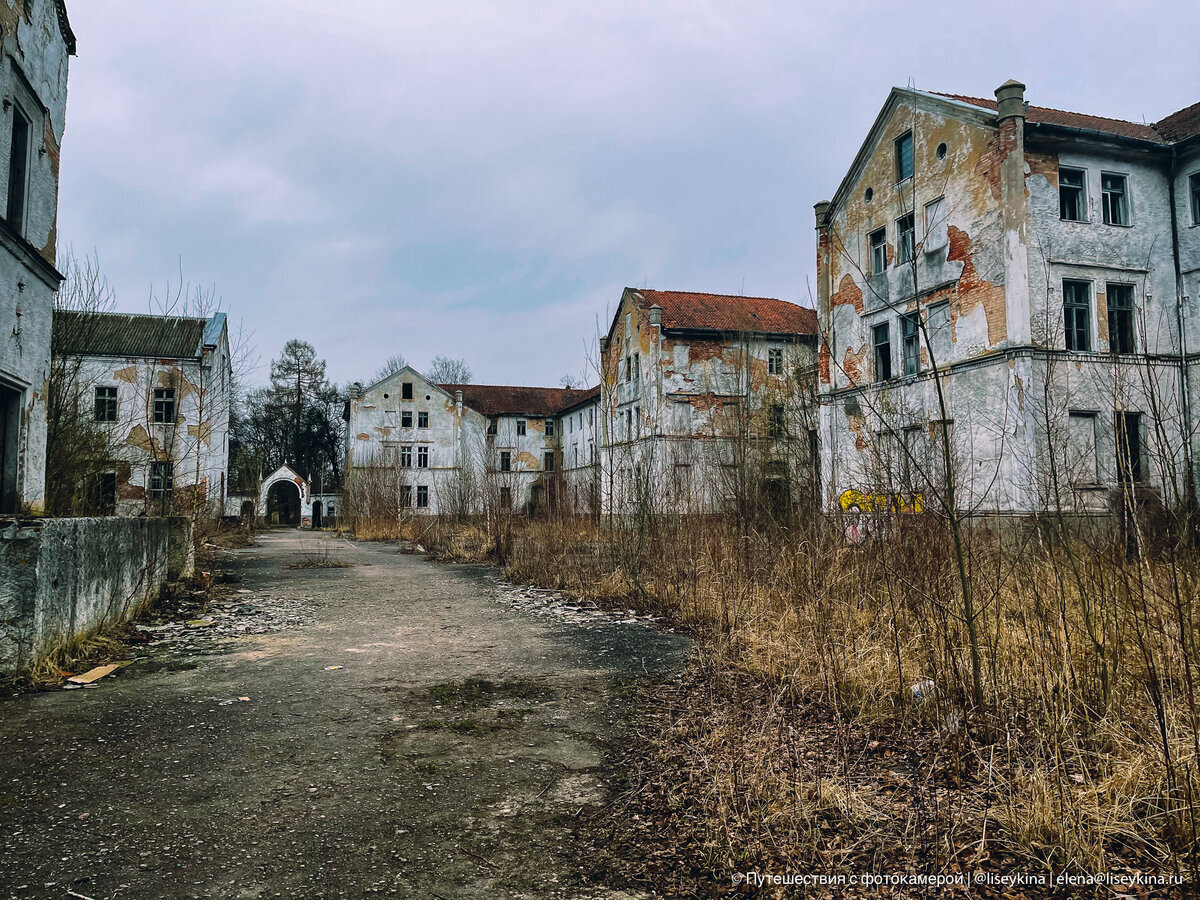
x: 723, y: 312
x: 498, y: 400
x: 1175, y: 127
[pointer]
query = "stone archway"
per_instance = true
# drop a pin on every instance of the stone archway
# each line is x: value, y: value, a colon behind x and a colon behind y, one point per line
x: 283, y: 503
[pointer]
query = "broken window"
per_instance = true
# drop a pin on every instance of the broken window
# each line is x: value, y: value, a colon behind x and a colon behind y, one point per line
x: 1082, y: 462
x: 878, y: 239
x: 406, y: 391
x: 106, y: 404
x: 422, y: 420
x: 935, y: 225
x: 406, y: 456
x: 164, y: 406
x: 1194, y: 191
x: 422, y: 457
x: 628, y: 368
x: 422, y: 496
x: 548, y: 461
x: 520, y: 426
x: 881, y: 339
x: 405, y: 496
x: 1077, y: 314
x: 549, y: 428
x: 910, y: 342
x: 905, y: 247
x: 406, y: 419
x: 775, y: 361
x: 1120, y: 318
x: 1072, y: 205
x: 18, y: 169
x: 1115, y: 190
x: 505, y: 461
x: 162, y: 478
x: 904, y: 156
x: 1129, y: 446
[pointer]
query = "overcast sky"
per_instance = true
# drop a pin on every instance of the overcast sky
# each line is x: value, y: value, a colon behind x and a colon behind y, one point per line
x: 482, y: 179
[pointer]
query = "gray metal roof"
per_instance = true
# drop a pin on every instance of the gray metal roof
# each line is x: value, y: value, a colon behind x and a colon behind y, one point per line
x: 125, y: 334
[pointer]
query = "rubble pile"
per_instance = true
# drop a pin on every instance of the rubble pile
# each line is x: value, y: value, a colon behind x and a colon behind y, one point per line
x: 568, y: 610
x: 246, y: 614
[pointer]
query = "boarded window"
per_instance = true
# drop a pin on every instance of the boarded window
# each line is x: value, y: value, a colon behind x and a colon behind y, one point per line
x: 1072, y: 205
x: 935, y: 225
x: 938, y: 326
x: 1082, y: 462
x: 1077, y: 314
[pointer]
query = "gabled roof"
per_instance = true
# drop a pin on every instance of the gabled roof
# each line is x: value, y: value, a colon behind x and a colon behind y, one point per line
x: 1175, y: 127
x: 127, y: 335
x: 499, y: 400
x: 685, y: 310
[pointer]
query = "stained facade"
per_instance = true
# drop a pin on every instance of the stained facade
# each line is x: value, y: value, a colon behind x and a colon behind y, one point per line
x: 1045, y: 266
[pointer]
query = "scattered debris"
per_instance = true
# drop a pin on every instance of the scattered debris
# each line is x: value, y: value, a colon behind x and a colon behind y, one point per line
x: 568, y: 610
x: 97, y: 673
x: 333, y: 668
x: 201, y: 623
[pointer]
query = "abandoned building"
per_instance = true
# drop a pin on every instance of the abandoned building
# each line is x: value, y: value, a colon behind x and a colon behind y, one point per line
x: 285, y: 497
x: 1018, y: 279
x: 36, y: 45
x: 707, y: 402
x: 158, y: 391
x: 453, y: 448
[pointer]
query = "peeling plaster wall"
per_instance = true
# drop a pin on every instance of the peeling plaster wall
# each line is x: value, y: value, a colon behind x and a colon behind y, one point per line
x: 198, y: 441
x: 33, y: 73
x: 579, y: 435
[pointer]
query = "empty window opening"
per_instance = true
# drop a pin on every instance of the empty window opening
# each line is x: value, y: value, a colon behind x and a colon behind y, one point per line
x: 1115, y: 189
x: 1072, y: 206
x: 882, y: 340
x: 106, y: 404
x: 1129, y: 446
x: 1194, y: 191
x: 548, y: 461
x: 1077, y: 314
x: 1120, y: 318
x: 406, y: 391
x: 405, y: 496
x: 941, y: 150
x: 910, y: 342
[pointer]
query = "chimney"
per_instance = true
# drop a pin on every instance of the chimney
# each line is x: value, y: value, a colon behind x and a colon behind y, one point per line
x: 822, y: 210
x: 655, y: 313
x: 356, y: 390
x: 458, y: 401
x: 1010, y: 100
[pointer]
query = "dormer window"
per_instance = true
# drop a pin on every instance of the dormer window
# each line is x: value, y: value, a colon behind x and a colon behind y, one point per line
x: 904, y: 156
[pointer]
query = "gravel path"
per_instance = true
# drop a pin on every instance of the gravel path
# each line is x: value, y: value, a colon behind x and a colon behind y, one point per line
x: 394, y: 728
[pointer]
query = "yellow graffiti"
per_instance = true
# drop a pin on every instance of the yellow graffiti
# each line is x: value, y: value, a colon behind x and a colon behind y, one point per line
x: 880, y: 502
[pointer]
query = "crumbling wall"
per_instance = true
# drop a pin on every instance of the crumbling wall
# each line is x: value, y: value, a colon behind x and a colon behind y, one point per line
x: 60, y: 578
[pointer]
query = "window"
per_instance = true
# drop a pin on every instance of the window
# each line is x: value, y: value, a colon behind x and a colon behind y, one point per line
x: 505, y: 498
x: 548, y: 461
x: 520, y: 426
x: 1115, y: 189
x: 106, y: 404
x: 164, y: 406
x: 18, y: 169
x: 422, y: 457
x: 905, y: 247
x: 549, y: 428
x: 1129, y: 446
x: 882, y: 340
x: 406, y: 419
x: 1082, y: 465
x: 406, y: 456
x: 910, y: 342
x: 628, y: 368
x: 904, y: 156
x: 637, y: 421
x: 1194, y: 191
x: 422, y: 420
x: 162, y: 478
x: 505, y: 461
x: 1072, y: 202
x: 422, y: 496
x: 406, y: 391
x: 775, y: 361
x: 1120, y: 318
x: 776, y: 420
x: 937, y: 326
x: 405, y: 496
x: 629, y: 424
x: 491, y: 429
x: 935, y: 225
x: 878, y: 251
x: 1077, y: 312
x: 912, y: 459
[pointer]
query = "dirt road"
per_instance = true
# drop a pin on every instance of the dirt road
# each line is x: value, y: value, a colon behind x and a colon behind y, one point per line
x: 446, y: 758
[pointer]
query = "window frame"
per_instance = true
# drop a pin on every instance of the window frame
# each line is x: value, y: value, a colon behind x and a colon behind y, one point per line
x: 1129, y: 290
x: 406, y: 418
x: 161, y: 483
x: 910, y: 340
x: 549, y: 428
x: 18, y: 219
x: 423, y: 456
x: 774, y: 360
x: 1071, y: 330
x: 878, y: 251
x: 1126, y: 204
x: 422, y: 419
x: 108, y: 413
x: 1083, y: 193
x: 1093, y: 476
x: 937, y: 232
x: 163, y: 400
x: 882, y: 350
x: 548, y: 460
x: 406, y: 496
x: 505, y: 460
x: 406, y: 390
x: 897, y: 147
x: 422, y: 496
x: 1194, y: 196
x: 522, y: 430
x: 906, y: 252
x: 406, y: 456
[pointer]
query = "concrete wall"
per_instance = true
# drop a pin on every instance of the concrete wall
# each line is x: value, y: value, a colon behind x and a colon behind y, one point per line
x: 65, y: 577
x: 33, y: 77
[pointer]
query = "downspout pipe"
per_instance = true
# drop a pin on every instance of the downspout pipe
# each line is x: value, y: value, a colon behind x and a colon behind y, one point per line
x: 1185, y: 397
